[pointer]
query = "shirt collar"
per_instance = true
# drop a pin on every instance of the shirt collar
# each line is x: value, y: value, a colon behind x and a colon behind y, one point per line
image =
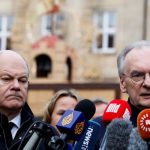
x: 17, y: 120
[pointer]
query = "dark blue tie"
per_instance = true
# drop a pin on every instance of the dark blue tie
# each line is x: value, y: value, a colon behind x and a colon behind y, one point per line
x: 11, y: 125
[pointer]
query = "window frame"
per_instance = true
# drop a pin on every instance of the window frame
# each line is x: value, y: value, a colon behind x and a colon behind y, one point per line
x: 56, y: 23
x: 105, y: 30
x: 5, y: 30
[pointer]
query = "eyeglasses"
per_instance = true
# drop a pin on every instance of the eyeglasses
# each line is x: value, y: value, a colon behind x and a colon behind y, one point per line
x: 137, y: 77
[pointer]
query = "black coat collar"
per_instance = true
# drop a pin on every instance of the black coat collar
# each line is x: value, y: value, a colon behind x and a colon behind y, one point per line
x: 135, y: 113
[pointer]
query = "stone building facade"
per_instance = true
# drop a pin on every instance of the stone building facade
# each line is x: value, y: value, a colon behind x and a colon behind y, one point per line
x: 78, y: 44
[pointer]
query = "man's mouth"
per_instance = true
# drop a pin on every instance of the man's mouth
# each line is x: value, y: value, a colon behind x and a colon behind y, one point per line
x: 145, y: 95
x: 14, y: 97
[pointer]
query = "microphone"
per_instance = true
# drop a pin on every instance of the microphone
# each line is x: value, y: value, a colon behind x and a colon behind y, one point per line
x: 87, y: 107
x: 90, y: 137
x: 143, y: 125
x: 73, y: 122
x: 117, y: 135
x: 116, y: 109
x: 41, y: 131
x: 136, y: 142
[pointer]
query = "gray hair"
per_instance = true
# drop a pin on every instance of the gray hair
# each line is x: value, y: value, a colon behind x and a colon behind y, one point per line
x: 121, y: 57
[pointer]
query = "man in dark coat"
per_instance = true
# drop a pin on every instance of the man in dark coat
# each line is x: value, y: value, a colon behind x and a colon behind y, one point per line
x: 134, y: 71
x: 14, y: 75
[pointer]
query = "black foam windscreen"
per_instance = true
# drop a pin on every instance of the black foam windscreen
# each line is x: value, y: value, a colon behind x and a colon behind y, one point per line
x: 87, y: 107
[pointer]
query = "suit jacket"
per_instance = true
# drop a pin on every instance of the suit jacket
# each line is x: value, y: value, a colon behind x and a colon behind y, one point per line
x: 29, y: 124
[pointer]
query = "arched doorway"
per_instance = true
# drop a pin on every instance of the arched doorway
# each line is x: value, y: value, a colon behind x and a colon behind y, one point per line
x: 43, y: 65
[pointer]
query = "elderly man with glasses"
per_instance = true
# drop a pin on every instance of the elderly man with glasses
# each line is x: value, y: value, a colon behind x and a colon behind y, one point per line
x: 134, y: 72
x: 133, y: 64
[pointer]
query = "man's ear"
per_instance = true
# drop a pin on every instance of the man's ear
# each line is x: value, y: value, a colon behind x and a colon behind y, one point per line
x: 123, y: 85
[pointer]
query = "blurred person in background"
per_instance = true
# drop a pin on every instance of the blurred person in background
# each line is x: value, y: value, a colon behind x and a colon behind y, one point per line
x: 61, y: 101
x: 100, y: 105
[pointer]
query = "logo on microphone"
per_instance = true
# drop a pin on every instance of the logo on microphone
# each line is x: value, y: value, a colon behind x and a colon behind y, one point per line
x: 113, y: 108
x: 67, y: 120
x: 87, y: 138
x: 79, y: 128
x: 145, y: 122
x: 126, y: 114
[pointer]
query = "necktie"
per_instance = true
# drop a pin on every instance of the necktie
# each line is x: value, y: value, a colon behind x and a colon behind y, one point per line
x: 11, y: 125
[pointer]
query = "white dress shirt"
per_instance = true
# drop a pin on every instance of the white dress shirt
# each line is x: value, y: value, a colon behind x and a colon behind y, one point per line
x: 17, y: 122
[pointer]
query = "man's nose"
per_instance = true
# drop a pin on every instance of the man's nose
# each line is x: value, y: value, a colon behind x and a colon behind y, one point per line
x: 16, y: 84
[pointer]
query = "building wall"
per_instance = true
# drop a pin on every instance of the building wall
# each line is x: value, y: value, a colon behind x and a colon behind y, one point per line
x: 40, y: 94
x: 88, y: 67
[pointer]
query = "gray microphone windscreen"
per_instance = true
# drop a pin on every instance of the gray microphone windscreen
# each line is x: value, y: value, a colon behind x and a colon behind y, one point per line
x: 118, y: 132
x: 136, y: 142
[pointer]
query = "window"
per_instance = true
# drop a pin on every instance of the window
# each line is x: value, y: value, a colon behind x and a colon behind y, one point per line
x: 104, y: 31
x: 51, y: 23
x: 46, y: 26
x: 5, y: 32
x: 44, y: 65
x: 69, y: 67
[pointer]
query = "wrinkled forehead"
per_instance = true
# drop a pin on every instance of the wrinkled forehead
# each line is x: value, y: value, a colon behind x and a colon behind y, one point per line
x: 138, y: 59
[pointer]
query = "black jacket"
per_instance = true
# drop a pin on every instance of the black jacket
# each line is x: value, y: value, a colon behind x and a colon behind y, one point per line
x: 29, y: 124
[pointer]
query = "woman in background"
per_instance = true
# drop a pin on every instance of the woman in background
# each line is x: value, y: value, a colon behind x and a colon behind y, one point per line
x: 61, y: 101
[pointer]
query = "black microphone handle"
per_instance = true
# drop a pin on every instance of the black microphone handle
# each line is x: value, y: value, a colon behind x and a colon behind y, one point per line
x: 58, y: 142
x: 31, y: 143
x: 36, y: 136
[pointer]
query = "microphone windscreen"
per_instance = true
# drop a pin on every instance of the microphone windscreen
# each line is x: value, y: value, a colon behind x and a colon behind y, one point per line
x: 143, y: 124
x: 87, y: 107
x: 117, y: 134
x: 116, y: 109
x: 136, y: 142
